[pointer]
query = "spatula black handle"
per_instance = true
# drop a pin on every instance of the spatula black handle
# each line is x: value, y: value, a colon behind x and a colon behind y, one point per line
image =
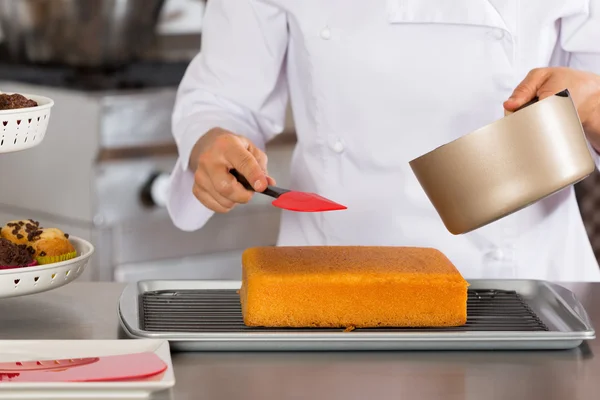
x: 272, y: 191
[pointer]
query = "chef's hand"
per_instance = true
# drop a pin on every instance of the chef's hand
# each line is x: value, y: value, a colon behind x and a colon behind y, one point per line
x: 583, y: 86
x: 214, y: 155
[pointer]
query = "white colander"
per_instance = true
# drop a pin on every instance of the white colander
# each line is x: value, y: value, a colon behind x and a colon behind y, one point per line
x: 24, y: 128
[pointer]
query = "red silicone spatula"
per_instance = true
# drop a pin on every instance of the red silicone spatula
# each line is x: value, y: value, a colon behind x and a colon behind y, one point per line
x: 292, y: 200
x: 125, y: 367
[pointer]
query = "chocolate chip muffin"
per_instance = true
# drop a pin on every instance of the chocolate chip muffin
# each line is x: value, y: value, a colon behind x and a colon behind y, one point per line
x: 15, y: 101
x: 15, y: 255
x: 51, y: 245
x: 48, y: 245
x: 19, y: 231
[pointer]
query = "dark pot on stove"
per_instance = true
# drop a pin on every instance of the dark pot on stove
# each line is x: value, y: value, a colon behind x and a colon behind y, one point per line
x: 85, y: 33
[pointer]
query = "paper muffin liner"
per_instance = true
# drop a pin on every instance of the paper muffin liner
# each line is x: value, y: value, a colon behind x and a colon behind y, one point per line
x: 31, y: 264
x: 55, y: 259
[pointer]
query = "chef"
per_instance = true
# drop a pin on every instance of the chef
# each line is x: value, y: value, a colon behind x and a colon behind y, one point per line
x: 373, y: 85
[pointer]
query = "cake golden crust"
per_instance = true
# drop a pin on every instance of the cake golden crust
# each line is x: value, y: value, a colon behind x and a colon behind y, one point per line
x: 351, y: 286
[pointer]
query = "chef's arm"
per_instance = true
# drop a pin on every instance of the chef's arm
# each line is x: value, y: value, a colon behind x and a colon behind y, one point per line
x: 236, y: 83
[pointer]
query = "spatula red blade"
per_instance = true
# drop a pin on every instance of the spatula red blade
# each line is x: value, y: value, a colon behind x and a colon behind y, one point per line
x: 125, y: 367
x: 306, y: 202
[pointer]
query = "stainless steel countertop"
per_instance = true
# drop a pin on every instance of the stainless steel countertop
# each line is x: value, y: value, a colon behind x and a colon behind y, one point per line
x: 88, y: 311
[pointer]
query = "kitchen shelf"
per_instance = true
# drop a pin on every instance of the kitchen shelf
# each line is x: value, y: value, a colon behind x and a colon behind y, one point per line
x: 22, y: 129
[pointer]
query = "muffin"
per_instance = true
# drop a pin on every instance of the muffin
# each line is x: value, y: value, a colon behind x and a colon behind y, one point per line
x: 52, y: 245
x: 15, y: 101
x: 19, y: 230
x: 49, y: 245
x: 15, y: 255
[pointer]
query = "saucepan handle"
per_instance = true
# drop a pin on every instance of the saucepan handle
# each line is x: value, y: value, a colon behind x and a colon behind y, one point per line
x: 564, y: 93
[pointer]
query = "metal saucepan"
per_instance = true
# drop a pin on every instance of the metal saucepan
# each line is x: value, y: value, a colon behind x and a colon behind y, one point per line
x: 507, y: 165
x: 83, y: 33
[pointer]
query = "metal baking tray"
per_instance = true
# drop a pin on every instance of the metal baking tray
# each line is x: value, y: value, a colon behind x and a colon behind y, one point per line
x: 502, y: 315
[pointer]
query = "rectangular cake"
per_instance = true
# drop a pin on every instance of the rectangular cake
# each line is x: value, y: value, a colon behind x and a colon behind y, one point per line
x: 351, y: 286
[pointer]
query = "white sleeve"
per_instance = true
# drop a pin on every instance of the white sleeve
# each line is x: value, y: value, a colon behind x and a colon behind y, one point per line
x: 580, y: 38
x: 237, y: 82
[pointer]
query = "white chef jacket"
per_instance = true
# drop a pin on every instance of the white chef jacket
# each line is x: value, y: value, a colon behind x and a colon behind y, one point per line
x: 374, y: 84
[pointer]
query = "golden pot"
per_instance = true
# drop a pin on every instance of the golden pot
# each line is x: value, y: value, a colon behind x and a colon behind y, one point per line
x: 505, y: 166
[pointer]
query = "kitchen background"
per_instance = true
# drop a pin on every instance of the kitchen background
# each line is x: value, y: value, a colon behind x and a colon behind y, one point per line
x: 112, y: 68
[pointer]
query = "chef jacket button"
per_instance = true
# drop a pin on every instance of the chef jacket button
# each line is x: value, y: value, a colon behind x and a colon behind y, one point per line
x: 326, y: 34
x: 496, y: 255
x: 496, y: 34
x: 338, y: 147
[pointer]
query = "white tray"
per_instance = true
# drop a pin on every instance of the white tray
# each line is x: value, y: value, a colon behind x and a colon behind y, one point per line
x: 35, y: 350
x: 41, y: 278
x: 24, y: 128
